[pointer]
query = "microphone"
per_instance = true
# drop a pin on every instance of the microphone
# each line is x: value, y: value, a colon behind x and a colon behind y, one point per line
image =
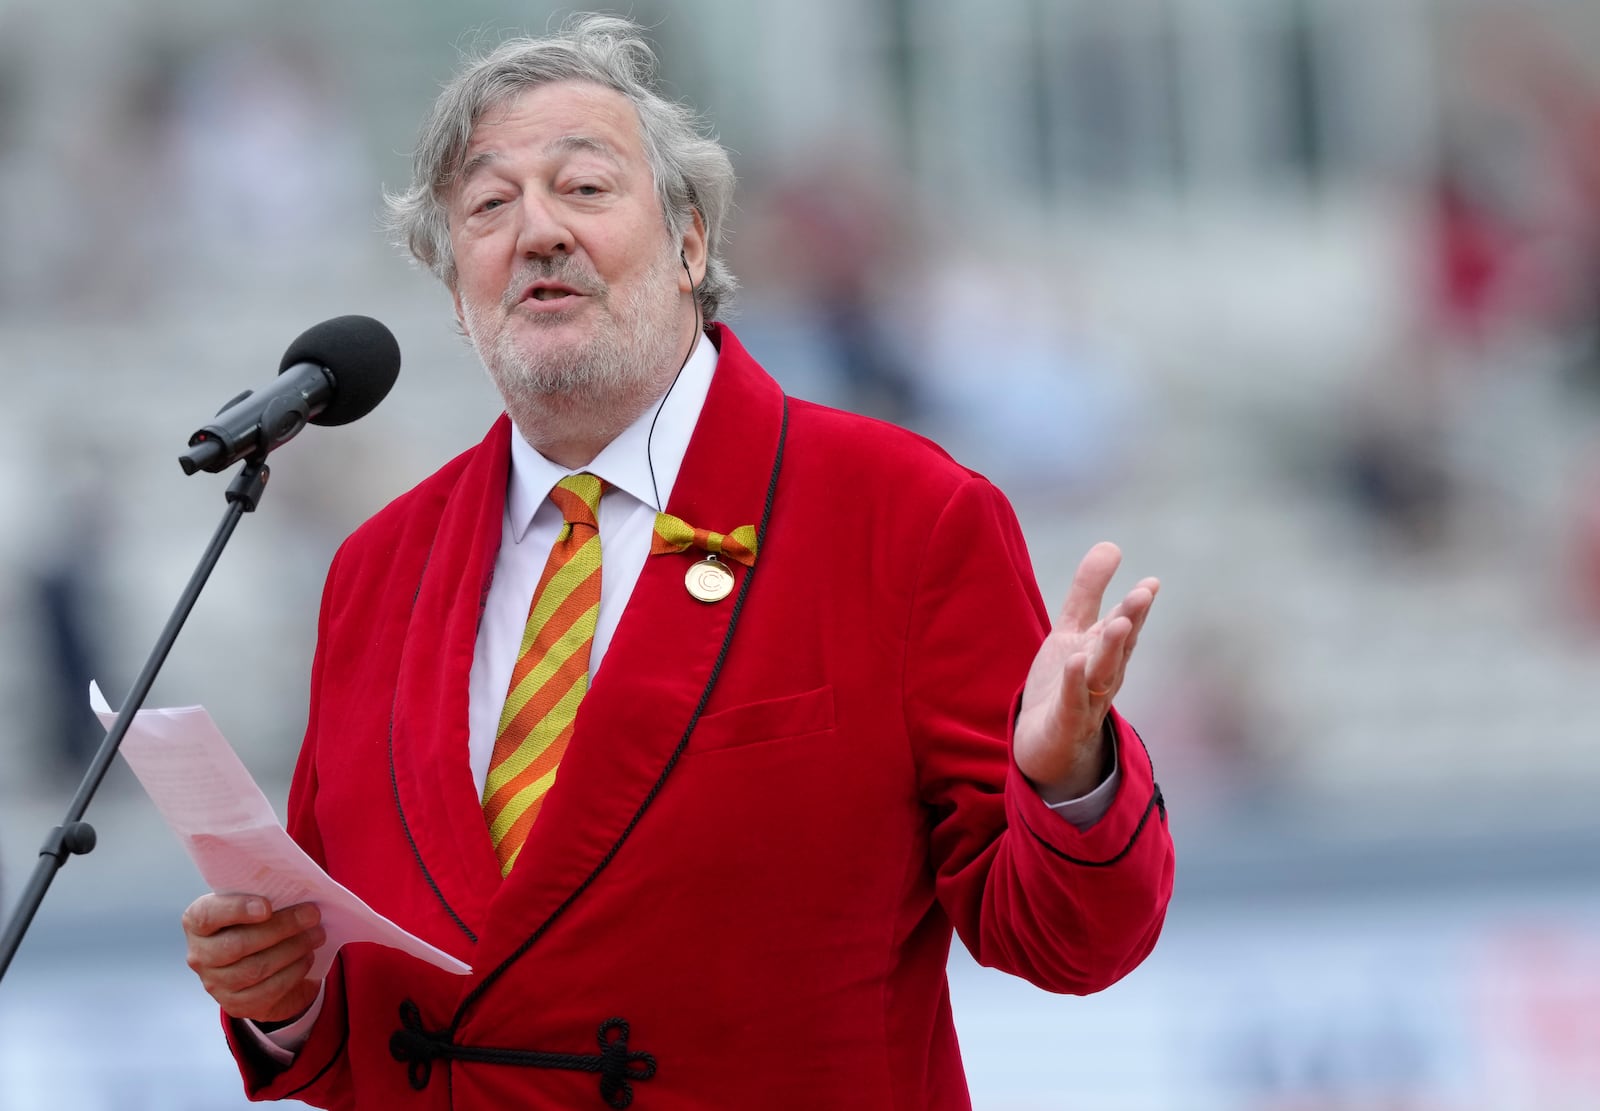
x: 334, y: 373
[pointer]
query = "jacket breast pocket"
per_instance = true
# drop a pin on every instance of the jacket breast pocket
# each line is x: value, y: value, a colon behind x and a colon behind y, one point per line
x: 759, y: 723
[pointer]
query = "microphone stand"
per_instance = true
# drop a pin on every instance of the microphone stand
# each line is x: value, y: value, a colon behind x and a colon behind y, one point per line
x: 74, y: 836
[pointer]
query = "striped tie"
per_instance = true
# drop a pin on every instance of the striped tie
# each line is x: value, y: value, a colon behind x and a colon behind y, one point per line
x: 551, y: 674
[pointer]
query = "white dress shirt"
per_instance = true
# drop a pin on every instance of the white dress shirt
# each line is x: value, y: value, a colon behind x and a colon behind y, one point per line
x: 659, y: 439
x: 627, y: 521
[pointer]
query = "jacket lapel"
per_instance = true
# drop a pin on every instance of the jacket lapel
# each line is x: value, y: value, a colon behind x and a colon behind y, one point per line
x: 659, y: 665
x: 429, y: 726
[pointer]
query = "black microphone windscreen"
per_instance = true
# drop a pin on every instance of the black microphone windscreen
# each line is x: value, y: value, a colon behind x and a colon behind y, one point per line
x: 360, y: 353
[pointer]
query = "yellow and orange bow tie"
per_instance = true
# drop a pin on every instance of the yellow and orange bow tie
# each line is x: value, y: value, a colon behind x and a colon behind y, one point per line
x: 673, y: 534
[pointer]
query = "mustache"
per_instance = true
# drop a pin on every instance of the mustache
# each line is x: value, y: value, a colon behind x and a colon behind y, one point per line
x: 558, y: 268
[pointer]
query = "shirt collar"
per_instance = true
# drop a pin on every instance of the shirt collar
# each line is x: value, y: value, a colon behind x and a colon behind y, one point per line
x: 626, y: 461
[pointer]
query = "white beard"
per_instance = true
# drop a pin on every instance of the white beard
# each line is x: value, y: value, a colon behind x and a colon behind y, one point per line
x: 609, y: 378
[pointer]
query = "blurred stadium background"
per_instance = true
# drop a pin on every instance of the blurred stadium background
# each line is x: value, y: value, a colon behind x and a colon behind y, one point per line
x: 1297, y: 300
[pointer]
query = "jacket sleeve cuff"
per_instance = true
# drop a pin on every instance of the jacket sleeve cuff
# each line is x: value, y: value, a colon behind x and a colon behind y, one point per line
x: 1136, y: 802
x: 264, y: 1076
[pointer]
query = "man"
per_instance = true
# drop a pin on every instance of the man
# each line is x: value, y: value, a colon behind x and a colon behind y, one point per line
x: 785, y: 711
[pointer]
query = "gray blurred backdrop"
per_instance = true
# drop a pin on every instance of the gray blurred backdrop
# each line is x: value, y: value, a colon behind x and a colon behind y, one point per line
x: 1296, y: 300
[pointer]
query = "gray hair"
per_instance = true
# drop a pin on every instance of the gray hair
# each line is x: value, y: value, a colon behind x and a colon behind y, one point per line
x: 691, y: 169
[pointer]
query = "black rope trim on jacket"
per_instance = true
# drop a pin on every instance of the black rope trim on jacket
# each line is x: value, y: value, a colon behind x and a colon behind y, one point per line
x: 417, y: 1048
x: 672, y: 761
x: 1157, y: 800
x: 394, y: 783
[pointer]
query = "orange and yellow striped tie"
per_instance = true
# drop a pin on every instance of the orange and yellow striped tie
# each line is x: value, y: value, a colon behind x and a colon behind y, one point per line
x: 551, y: 673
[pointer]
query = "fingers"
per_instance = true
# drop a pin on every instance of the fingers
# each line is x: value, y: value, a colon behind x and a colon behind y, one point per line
x: 264, y: 986
x: 284, y: 995
x: 251, y: 963
x: 1089, y: 582
x: 1103, y: 663
x: 1149, y: 587
x: 1099, y: 648
x: 259, y: 967
x: 1136, y: 606
x: 1101, y: 667
x: 210, y: 913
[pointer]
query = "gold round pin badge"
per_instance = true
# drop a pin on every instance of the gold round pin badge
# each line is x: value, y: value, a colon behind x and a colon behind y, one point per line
x: 709, y: 580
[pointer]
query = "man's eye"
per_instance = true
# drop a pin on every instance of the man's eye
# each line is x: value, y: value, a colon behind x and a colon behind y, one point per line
x: 587, y: 190
x: 490, y: 204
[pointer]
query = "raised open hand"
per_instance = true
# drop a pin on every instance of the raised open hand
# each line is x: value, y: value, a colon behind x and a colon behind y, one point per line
x: 1075, y: 675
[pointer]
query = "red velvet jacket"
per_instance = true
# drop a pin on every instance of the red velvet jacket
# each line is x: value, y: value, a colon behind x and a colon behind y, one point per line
x: 773, y: 810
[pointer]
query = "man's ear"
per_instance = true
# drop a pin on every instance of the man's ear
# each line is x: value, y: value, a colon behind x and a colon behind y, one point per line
x: 692, y: 252
x: 461, y: 317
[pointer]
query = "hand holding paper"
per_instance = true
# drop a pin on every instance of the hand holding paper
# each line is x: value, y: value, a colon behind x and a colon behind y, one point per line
x: 219, y: 813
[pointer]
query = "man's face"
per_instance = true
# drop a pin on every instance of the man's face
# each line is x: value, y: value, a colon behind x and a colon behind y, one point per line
x: 567, y: 280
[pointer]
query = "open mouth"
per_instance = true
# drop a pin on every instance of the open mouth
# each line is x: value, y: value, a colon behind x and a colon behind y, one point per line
x: 546, y: 291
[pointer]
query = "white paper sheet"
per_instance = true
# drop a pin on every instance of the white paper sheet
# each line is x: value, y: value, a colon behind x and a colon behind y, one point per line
x: 219, y: 813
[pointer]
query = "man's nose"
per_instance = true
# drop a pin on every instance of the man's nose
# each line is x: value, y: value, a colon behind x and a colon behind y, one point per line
x: 543, y: 231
